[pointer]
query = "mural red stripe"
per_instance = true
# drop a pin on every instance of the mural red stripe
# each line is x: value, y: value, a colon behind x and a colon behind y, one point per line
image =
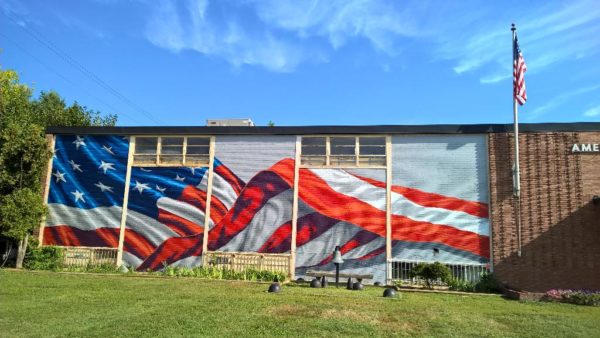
x: 182, y: 226
x: 319, y: 195
x: 280, y: 240
x: 137, y: 244
x: 373, y: 254
x: 236, y: 183
x: 434, y: 200
x: 65, y: 235
x: 218, y: 209
x: 194, y: 196
x: 253, y: 197
x: 172, y: 250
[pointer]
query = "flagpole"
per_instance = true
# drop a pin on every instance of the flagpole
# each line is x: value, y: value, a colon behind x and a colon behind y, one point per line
x: 516, y: 169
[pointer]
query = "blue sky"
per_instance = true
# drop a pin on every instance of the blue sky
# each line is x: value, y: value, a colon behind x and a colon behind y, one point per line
x: 308, y: 62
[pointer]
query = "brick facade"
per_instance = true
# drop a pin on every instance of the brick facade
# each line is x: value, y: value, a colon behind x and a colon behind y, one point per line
x: 560, y: 224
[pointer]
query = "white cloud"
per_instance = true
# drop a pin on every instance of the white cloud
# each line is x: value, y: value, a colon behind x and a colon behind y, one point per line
x: 592, y: 112
x: 559, y: 100
x: 548, y: 34
x: 192, y: 27
x: 279, y: 35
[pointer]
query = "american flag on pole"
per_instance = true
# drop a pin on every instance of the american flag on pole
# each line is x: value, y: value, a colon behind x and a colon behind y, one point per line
x: 519, y: 70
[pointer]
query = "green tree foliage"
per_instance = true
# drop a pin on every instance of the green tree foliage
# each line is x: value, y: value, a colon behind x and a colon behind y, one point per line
x: 431, y: 272
x: 24, y: 152
x: 20, y: 212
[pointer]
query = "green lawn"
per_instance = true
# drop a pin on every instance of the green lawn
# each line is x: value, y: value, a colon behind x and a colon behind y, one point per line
x: 53, y: 304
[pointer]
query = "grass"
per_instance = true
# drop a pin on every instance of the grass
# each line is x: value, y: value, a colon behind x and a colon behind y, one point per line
x: 73, y: 305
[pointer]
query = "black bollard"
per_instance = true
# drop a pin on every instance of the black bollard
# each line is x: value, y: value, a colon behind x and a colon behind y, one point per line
x: 389, y: 293
x: 274, y: 287
x: 349, y: 283
x: 324, y: 282
x: 357, y: 286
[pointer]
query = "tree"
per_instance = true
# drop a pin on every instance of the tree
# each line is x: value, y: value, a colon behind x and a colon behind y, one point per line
x: 271, y: 124
x: 20, y: 213
x: 24, y: 153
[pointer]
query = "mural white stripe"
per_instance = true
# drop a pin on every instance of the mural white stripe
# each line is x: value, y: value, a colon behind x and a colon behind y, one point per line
x: 103, y: 217
x: 154, y: 231
x: 181, y: 209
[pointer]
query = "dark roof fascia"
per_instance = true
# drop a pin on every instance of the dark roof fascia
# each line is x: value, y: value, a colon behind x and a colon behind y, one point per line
x: 308, y: 130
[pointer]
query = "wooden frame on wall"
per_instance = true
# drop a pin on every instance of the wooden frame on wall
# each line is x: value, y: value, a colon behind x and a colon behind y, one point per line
x: 125, y: 201
x: 51, y: 141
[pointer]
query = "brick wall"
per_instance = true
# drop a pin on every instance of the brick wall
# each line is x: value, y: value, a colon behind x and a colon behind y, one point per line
x: 560, y: 225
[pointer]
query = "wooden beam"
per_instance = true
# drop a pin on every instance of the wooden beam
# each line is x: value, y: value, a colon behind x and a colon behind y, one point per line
x: 51, y: 141
x: 295, y: 207
x: 209, y: 185
x: 388, y: 208
x: 489, y: 201
x: 125, y: 200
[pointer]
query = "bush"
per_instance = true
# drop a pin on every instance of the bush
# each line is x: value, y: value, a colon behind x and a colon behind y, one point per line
x: 44, y: 258
x: 487, y: 283
x: 579, y: 297
x: 431, y: 272
x: 212, y: 272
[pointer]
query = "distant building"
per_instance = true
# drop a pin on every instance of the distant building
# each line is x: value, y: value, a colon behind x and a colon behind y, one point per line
x: 285, y: 197
x: 230, y: 123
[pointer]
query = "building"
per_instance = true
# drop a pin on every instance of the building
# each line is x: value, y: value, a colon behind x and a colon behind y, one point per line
x: 389, y: 196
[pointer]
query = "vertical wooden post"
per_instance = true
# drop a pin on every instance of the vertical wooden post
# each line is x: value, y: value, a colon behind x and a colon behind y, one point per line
x: 209, y: 184
x: 356, y: 151
x: 50, y: 140
x: 125, y: 200
x: 327, y: 150
x: 388, y: 208
x: 292, y: 264
x: 489, y: 201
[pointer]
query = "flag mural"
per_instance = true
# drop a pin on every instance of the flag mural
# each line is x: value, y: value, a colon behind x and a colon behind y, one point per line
x: 86, y: 191
x: 440, y: 199
x: 438, y: 204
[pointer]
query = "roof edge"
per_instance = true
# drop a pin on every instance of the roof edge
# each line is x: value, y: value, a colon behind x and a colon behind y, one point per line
x: 307, y: 130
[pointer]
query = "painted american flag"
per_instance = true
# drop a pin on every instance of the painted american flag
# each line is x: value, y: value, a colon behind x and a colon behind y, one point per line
x: 167, y: 205
x: 519, y: 69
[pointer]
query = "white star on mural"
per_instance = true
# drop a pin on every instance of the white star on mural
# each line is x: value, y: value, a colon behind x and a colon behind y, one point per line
x: 103, y: 187
x: 180, y: 179
x: 108, y: 149
x: 59, y: 176
x: 54, y: 153
x: 78, y: 196
x: 160, y: 189
x: 79, y: 142
x: 75, y: 166
x: 106, y: 166
x: 141, y: 186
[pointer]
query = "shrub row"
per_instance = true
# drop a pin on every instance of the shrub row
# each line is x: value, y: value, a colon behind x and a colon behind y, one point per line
x: 434, y: 272
x: 580, y: 297
x: 211, y: 272
x: 52, y: 258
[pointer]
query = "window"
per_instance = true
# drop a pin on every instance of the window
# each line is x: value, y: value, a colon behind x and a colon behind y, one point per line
x: 171, y: 151
x: 314, y: 151
x: 371, y: 151
x: 343, y: 151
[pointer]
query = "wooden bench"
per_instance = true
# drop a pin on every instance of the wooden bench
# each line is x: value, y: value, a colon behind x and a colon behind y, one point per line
x: 318, y: 274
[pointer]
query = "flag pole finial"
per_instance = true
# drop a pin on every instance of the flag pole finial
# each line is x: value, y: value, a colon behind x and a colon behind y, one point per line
x: 513, y: 28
